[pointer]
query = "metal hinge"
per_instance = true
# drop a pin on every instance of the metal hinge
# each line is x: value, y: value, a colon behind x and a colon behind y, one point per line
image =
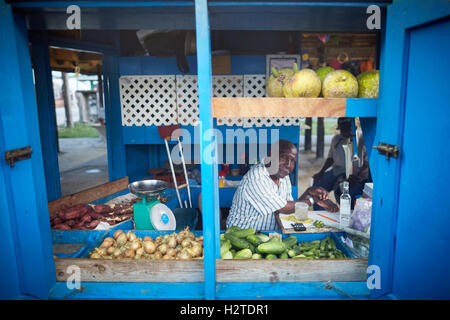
x: 15, y: 155
x: 388, y: 149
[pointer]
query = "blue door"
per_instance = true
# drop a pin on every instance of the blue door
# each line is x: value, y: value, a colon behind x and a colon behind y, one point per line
x: 26, y: 265
x: 411, y: 214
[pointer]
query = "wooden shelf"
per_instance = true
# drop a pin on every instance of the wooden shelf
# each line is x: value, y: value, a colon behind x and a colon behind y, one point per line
x: 293, y: 107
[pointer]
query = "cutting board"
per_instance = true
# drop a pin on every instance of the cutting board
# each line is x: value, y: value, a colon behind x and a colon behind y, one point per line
x: 324, y: 216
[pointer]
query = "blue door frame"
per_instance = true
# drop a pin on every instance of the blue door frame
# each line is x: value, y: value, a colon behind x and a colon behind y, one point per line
x: 402, y: 18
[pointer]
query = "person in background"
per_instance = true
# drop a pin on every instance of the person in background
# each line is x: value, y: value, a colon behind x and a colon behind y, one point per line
x: 266, y: 189
x: 330, y: 179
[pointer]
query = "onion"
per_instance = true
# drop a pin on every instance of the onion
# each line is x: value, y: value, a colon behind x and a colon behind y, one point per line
x: 186, y: 242
x: 171, y: 252
x: 140, y: 251
x: 121, y: 239
x: 138, y: 256
x: 108, y: 242
x: 101, y: 251
x: 117, y: 253
x: 135, y: 245
x: 157, y: 255
x: 166, y: 236
x: 129, y: 253
x: 117, y: 234
x: 148, y: 238
x: 199, y: 238
x: 158, y: 239
x: 163, y: 248
x: 110, y: 250
x: 196, y: 250
x: 184, y: 255
x: 178, y: 248
x: 172, y: 242
x: 149, y: 246
x: 167, y: 257
x: 131, y: 236
x: 95, y: 256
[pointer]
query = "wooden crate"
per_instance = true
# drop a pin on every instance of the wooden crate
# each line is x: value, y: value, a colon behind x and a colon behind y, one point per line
x: 89, y: 195
x: 283, y: 270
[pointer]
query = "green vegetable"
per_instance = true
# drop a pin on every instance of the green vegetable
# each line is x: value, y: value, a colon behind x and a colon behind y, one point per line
x: 290, y: 241
x: 284, y: 255
x: 262, y: 237
x: 227, y: 255
x: 237, y: 242
x: 254, y: 239
x: 271, y: 256
x: 243, y: 233
x: 257, y: 256
x: 233, y: 228
x: 225, y: 246
x: 243, y: 254
x: 273, y: 246
x: 300, y: 256
x: 292, y: 253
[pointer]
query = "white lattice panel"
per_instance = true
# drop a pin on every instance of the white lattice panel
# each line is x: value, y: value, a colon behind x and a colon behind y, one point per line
x: 148, y: 100
x: 228, y: 87
x: 255, y: 87
x: 187, y: 100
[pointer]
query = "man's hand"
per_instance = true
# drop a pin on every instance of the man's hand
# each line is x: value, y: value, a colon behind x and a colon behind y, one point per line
x: 318, y: 193
x: 328, y: 205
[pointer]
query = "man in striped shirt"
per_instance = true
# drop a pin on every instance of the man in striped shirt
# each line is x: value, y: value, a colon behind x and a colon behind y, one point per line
x: 266, y: 189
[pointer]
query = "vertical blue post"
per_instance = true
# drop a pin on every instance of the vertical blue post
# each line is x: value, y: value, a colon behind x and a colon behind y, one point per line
x: 25, y: 220
x: 210, y: 188
x: 46, y: 113
x: 117, y: 167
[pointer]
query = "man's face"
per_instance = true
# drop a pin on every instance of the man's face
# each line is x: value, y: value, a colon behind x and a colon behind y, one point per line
x: 286, y: 162
x: 346, y: 129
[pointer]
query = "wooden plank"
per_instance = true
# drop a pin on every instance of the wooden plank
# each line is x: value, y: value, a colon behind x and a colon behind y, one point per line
x: 278, y: 107
x: 89, y: 195
x: 67, y: 248
x: 132, y: 270
x: 291, y: 270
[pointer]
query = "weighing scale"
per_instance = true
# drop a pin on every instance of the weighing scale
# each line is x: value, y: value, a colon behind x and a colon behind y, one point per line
x: 150, y: 213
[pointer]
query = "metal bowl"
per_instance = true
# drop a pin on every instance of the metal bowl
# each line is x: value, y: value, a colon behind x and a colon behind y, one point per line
x: 145, y: 188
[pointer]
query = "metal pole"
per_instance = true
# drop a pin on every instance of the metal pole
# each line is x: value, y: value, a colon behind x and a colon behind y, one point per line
x: 209, y: 179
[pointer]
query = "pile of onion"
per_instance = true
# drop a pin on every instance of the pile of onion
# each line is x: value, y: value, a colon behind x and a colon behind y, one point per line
x: 176, y: 246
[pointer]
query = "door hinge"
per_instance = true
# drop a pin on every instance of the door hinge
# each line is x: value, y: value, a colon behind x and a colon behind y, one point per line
x: 388, y: 150
x: 15, y: 155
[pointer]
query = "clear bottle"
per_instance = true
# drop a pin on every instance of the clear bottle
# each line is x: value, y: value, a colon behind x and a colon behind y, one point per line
x: 345, y: 206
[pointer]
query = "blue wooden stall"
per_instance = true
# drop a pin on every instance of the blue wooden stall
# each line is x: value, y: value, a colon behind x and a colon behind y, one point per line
x: 412, y: 49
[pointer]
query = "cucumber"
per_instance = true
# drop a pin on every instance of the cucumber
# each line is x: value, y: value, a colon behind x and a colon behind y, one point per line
x: 254, y: 239
x: 271, y: 256
x: 243, y: 233
x: 257, y: 256
x: 237, y: 242
x: 290, y: 241
x: 272, y: 247
x: 243, y: 254
x: 262, y: 237
x: 233, y: 228
x: 284, y: 255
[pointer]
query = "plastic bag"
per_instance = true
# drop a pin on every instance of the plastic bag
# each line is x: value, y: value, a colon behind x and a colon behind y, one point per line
x: 361, y: 216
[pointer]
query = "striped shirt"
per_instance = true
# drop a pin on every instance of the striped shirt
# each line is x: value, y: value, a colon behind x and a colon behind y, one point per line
x: 257, y: 198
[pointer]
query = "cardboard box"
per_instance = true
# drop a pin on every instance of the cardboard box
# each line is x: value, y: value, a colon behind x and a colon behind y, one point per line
x: 221, y: 64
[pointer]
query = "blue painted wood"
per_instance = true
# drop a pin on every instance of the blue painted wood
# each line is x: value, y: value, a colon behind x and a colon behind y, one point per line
x: 423, y: 170
x: 47, y: 115
x: 225, y: 291
x: 209, y: 178
x: 28, y: 219
x: 413, y: 13
x: 361, y: 107
x: 403, y: 99
x: 114, y: 140
x: 291, y: 291
x: 233, y: 15
x: 385, y: 193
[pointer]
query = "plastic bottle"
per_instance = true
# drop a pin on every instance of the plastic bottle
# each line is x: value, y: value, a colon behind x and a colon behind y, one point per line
x: 345, y: 206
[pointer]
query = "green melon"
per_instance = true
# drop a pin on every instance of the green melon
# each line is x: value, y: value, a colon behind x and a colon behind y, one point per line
x: 340, y: 84
x: 368, y: 84
x: 304, y: 83
x: 274, y: 85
